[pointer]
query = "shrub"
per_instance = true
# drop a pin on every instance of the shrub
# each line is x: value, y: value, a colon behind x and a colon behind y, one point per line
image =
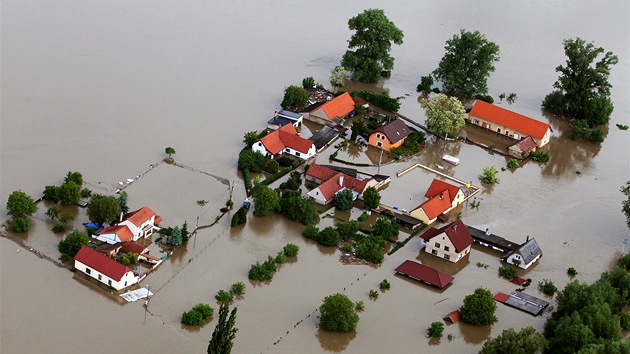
x: 192, y: 318
x: 385, y: 284
x: 359, y: 305
x: 311, y: 232
x: 291, y: 250
x: 272, y: 166
x: 21, y: 224
x: 625, y: 321
x: 425, y: 84
x: 596, y: 135
x: 224, y: 296
x: 547, y: 287
x: 508, y: 272
x: 328, y: 237
x: 624, y: 262
x: 379, y: 99
x: 285, y: 161
x: 572, y: 271
x: 310, y: 185
x: 86, y: 193
x: 555, y: 102
x: 363, y: 217
x: 347, y: 247
x: 512, y: 163
x: 59, y: 228
x: 308, y: 82
x: 259, y: 272
x: 542, y: 156
x: 281, y: 258
x: 436, y: 329
x: 204, y: 309
x: 580, y: 129
x: 251, y: 160
x: 486, y: 98
x: 238, y: 288
x: 373, y: 294
x: 489, y: 175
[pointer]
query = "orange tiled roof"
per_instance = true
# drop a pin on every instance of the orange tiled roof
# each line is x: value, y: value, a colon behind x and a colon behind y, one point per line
x: 141, y: 215
x: 333, y: 185
x: 339, y: 106
x: 122, y: 231
x: 132, y: 247
x: 438, y: 187
x: 436, y: 205
x: 510, y: 119
x: 286, y: 136
x: 320, y: 172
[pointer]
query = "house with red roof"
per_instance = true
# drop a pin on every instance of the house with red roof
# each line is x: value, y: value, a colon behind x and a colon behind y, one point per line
x: 319, y: 174
x: 442, y: 197
x: 135, y: 225
x: 104, y: 269
x: 508, y: 123
x: 451, y: 242
x: 389, y: 135
x: 420, y: 272
x: 114, y: 234
x: 325, y: 193
x: 285, y: 140
x: 335, y: 108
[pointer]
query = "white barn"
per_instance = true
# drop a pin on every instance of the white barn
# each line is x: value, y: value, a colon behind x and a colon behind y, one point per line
x: 104, y: 269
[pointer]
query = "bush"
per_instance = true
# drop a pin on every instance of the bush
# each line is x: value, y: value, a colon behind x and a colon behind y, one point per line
x: 542, y: 156
x: 508, y: 272
x: 547, y: 287
x: 310, y: 185
x: 359, y: 305
x: 347, y: 247
x: 489, y: 175
x: 374, y: 294
x: 425, y: 84
x: 379, y: 99
x: 328, y: 237
x: 281, y: 258
x: 385, y: 284
x: 224, y: 296
x: 308, y: 82
x: 572, y: 271
x: 580, y: 129
x: 436, y: 329
x: 337, y: 314
x: 311, y: 232
x: 86, y: 193
x: 596, y: 135
x: 555, y: 102
x: 363, y: 217
x: 625, y: 321
x: 272, y: 166
x: 197, y: 315
x: 238, y: 288
x: 259, y: 272
x: 624, y: 262
x: 291, y: 250
x: 21, y: 224
x: 512, y: 163
x: 285, y: 161
x: 486, y: 98
x: 204, y: 309
x: 251, y: 160
x: 59, y: 228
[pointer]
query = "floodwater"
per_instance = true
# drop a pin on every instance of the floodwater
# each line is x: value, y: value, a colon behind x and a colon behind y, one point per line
x: 103, y: 87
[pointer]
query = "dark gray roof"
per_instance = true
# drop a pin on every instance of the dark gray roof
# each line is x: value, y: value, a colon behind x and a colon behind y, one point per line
x: 527, y: 303
x: 324, y: 136
x: 281, y: 121
x: 394, y: 130
x: 290, y: 114
x: 312, y: 107
x: 529, y: 250
x: 352, y: 172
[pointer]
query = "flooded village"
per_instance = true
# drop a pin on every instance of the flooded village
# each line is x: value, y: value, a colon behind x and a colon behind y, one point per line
x: 114, y: 84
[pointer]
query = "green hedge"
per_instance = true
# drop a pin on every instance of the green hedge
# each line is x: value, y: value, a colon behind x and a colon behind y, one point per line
x: 379, y: 99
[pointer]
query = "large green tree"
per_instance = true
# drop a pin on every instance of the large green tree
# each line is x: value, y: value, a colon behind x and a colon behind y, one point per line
x: 103, y: 209
x: 343, y: 199
x: 73, y: 242
x: 294, y: 96
x: 583, y: 89
x: 266, y: 201
x: 479, y: 308
x: 371, y: 197
x: 625, y: 205
x: 445, y: 115
x: 122, y: 200
x: 368, y: 48
x: 225, y: 332
x: 337, y: 314
x: 385, y: 228
x: 526, y: 341
x: 295, y: 207
x: 75, y: 177
x: 20, y: 204
x: 466, y: 66
x: 68, y: 193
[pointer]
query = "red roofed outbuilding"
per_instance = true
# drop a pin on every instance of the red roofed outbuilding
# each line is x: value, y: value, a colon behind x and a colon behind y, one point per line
x: 451, y: 242
x: 424, y: 274
x: 337, y: 107
x: 508, y: 123
x: 104, y: 269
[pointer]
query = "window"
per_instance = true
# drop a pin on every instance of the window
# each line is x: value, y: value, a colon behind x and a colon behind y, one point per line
x: 434, y: 252
x: 498, y: 130
x: 446, y: 256
x: 507, y: 132
x: 476, y: 121
x: 446, y: 248
x: 437, y: 245
x: 100, y: 277
x: 286, y: 149
x: 125, y: 283
x: 88, y: 270
x: 109, y: 282
x: 378, y: 143
x: 297, y: 153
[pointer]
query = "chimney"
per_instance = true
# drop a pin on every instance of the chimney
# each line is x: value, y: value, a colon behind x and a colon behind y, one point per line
x: 527, y: 240
x: 487, y: 232
x: 441, y: 196
x: 454, y: 228
x: 341, y: 181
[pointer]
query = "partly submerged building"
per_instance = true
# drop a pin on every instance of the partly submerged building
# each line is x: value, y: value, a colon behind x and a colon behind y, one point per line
x: 285, y: 140
x: 451, y: 242
x: 104, y: 269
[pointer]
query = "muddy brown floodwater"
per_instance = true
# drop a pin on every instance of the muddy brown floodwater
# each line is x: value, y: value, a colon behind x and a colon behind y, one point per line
x: 103, y: 87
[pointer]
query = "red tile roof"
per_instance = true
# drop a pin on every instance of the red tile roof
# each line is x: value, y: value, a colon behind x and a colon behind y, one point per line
x: 320, y: 172
x: 122, y: 231
x: 526, y: 145
x: 510, y: 119
x: 335, y: 184
x: 518, y: 281
x: 101, y: 263
x: 454, y: 316
x: 456, y: 231
x: 339, y: 106
x: 140, y: 216
x: 436, y: 205
x: 286, y: 136
x: 423, y: 273
x: 438, y: 187
x: 501, y: 297
x: 132, y: 247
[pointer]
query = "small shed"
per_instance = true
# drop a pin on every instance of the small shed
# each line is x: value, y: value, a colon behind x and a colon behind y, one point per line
x: 453, y: 317
x: 420, y: 272
x: 524, y: 302
x: 521, y: 149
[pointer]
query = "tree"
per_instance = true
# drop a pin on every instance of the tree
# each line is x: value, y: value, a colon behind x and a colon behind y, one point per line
x: 445, y: 115
x: 385, y: 228
x: 291, y: 250
x: 251, y: 160
x: 225, y: 332
x: 294, y: 96
x: 103, y: 209
x: 66, y: 218
x: 436, y: 329
x: 337, y: 314
x: 371, y: 197
x: 583, y: 87
x: 625, y: 205
x: 347, y: 230
x: 295, y: 207
x: 328, y: 236
x: 338, y: 76
x: 20, y: 205
x: 238, y: 288
x: 425, y: 84
x: 68, y: 193
x: 308, y: 82
x: 489, y: 175
x: 50, y: 192
x: 466, y: 66
x: 266, y: 201
x: 169, y: 151
x: 343, y: 199
x: 373, y: 38
x: 75, y: 177
x: 176, y: 236
x: 250, y: 137
x: 122, y: 200
x: 526, y: 341
x: 479, y: 308
x: 73, y: 242
x: 53, y: 212
x: 21, y: 224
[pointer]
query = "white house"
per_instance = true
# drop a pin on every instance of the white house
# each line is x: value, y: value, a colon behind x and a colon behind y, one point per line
x: 285, y: 140
x: 104, y: 269
x: 526, y: 255
x: 141, y: 222
x: 115, y: 234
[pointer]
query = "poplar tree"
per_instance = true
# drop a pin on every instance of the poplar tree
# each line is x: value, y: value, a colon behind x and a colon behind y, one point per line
x: 225, y: 332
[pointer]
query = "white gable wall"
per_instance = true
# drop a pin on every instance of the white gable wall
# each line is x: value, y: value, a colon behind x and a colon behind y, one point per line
x: 127, y: 279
